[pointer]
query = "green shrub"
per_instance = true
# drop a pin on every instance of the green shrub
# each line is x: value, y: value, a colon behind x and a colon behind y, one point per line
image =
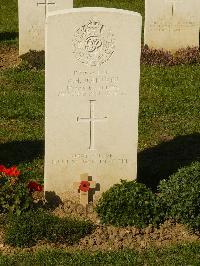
x: 14, y: 194
x: 129, y: 203
x: 25, y: 230
x: 15, y: 199
x: 180, y: 196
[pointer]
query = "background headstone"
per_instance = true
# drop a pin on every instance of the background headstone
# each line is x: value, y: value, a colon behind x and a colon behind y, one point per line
x: 32, y: 15
x: 92, y: 97
x: 171, y: 24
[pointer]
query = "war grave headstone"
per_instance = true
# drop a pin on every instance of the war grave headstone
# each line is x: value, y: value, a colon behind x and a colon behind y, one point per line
x: 32, y: 14
x: 92, y: 100
x: 171, y: 24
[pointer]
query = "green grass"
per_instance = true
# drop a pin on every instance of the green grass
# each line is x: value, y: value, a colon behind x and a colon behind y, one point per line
x: 26, y: 229
x: 22, y: 119
x: 8, y: 21
x: 177, y: 255
x: 169, y: 109
x: 169, y: 128
x: 169, y: 136
x: 134, y: 5
x: 169, y: 98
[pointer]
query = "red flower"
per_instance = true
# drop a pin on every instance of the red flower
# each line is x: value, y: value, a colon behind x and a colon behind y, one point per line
x: 12, y: 171
x: 34, y: 186
x: 84, y: 186
x: 2, y: 168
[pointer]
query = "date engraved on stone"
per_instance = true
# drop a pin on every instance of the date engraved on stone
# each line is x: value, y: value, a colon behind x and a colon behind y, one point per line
x: 93, y: 43
x: 95, y: 159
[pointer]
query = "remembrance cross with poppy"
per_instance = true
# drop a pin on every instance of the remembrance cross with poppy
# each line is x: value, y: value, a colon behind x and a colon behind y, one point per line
x: 84, y: 186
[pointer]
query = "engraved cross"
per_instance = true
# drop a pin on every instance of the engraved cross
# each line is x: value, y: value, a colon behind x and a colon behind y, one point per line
x: 91, y: 119
x: 46, y: 3
x: 174, y: 2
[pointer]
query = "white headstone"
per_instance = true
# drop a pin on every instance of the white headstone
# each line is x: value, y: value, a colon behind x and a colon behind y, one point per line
x: 32, y: 15
x: 171, y: 24
x: 92, y: 97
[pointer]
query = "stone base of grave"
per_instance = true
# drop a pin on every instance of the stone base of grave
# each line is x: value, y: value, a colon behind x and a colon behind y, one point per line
x: 69, y: 196
x: 68, y: 204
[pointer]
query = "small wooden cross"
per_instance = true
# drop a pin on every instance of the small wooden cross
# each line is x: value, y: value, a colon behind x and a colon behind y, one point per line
x: 84, y: 186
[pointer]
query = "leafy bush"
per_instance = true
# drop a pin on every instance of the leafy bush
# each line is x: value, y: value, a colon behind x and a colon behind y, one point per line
x: 129, y: 203
x: 14, y: 194
x: 166, y: 58
x: 180, y: 196
x: 25, y: 230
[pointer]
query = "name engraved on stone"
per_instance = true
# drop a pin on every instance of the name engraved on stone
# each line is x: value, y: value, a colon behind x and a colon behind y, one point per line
x: 93, y: 44
x: 92, y: 120
x: 162, y: 25
x: 92, y: 84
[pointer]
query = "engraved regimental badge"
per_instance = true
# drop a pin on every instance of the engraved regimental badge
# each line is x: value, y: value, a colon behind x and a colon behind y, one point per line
x: 93, y: 43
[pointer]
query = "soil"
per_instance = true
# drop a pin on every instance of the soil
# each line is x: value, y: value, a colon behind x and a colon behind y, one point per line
x: 108, y: 238
x: 8, y: 57
x: 114, y: 238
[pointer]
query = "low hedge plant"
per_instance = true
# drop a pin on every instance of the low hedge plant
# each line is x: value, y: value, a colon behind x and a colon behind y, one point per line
x: 129, y: 204
x: 28, y: 228
x: 180, y: 196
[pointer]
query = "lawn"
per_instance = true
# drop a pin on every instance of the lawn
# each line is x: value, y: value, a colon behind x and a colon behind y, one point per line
x: 183, y: 255
x: 169, y: 134
x: 168, y: 124
x: 169, y: 128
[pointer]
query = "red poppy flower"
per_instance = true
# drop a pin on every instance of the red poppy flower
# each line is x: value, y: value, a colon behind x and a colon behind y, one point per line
x: 34, y: 186
x: 12, y: 171
x: 2, y: 168
x: 84, y: 186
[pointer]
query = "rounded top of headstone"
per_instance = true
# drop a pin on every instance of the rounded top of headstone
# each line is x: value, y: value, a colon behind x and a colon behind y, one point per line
x: 94, y: 9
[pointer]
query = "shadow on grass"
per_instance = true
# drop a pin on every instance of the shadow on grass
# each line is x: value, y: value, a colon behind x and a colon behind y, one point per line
x: 154, y: 164
x: 4, y: 36
x: 35, y: 59
x: 16, y: 152
x: 163, y: 160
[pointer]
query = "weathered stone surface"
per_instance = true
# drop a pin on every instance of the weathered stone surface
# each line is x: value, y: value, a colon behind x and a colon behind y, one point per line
x: 92, y: 97
x: 32, y: 15
x: 172, y: 24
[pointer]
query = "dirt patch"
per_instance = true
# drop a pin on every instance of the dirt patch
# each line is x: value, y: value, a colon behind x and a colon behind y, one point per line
x: 9, y: 57
x: 35, y: 59
x: 115, y: 238
x: 112, y: 238
x: 187, y: 56
x: 108, y: 238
